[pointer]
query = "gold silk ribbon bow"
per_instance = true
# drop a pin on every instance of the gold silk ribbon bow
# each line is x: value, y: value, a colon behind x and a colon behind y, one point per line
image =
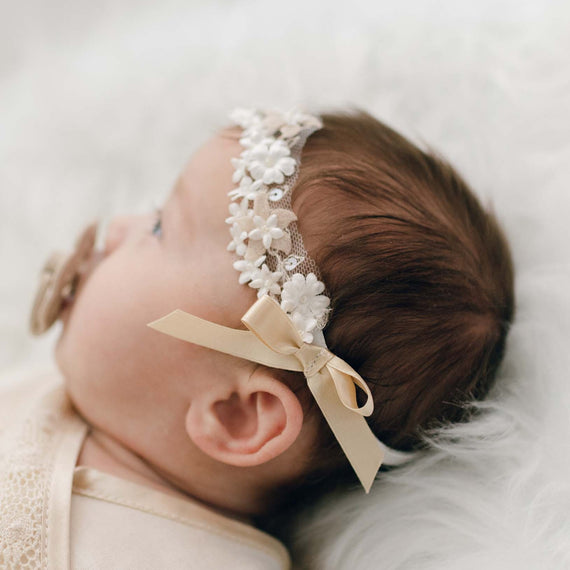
x: 273, y: 340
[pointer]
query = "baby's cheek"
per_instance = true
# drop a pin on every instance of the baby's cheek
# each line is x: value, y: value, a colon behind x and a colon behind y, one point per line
x: 92, y: 328
x: 106, y: 328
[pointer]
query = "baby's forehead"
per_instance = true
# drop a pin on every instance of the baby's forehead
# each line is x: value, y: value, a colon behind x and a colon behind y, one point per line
x: 208, y: 175
x: 215, y: 153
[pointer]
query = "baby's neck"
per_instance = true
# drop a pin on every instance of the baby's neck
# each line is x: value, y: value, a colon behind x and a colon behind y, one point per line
x: 105, y: 454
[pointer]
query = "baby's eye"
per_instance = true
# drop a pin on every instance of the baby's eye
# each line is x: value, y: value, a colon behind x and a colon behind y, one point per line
x: 157, y: 228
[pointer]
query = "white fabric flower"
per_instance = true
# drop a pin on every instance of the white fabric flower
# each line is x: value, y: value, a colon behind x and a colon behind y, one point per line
x: 295, y: 116
x: 290, y: 123
x: 252, y: 137
x: 248, y: 269
x: 266, y: 281
x: 237, y: 244
x: 240, y: 214
x: 262, y: 209
x: 247, y: 189
x: 301, y: 298
x: 240, y: 167
x: 302, y: 293
x: 245, y: 118
x: 271, y: 162
x: 266, y: 230
x: 305, y: 325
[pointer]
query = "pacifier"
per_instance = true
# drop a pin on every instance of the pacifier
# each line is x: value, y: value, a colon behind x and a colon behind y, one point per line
x: 58, y: 281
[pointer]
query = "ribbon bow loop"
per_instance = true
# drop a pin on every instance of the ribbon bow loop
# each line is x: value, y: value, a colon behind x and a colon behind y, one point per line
x: 267, y: 320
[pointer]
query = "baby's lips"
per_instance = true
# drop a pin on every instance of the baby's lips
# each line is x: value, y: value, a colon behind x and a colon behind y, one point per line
x: 58, y: 279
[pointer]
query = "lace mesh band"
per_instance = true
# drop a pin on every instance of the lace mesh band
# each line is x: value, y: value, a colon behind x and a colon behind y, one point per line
x: 263, y: 226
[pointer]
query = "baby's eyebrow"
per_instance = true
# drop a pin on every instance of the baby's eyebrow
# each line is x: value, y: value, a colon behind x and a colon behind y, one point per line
x: 182, y: 210
x: 232, y: 132
x: 180, y: 196
x: 179, y: 188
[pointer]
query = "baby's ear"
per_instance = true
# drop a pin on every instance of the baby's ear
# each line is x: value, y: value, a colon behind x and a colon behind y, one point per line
x: 255, y: 420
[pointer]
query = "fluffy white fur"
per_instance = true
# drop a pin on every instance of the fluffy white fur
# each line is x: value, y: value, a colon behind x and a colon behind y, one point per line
x: 102, y: 102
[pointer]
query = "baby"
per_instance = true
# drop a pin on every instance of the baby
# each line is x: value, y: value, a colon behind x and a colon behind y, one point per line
x: 215, y: 370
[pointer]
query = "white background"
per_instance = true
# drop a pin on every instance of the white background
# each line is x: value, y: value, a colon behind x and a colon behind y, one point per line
x: 101, y: 103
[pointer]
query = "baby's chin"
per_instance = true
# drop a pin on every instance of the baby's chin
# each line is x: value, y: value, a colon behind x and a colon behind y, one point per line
x: 62, y: 356
x: 68, y: 348
x: 75, y: 379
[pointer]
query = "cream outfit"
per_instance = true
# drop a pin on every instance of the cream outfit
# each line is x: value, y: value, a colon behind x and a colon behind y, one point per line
x: 54, y: 515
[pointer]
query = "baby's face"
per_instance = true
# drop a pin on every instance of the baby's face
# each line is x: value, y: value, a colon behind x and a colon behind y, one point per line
x: 123, y: 376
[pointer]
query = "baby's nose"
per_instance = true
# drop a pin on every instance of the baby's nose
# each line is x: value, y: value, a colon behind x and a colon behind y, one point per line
x: 118, y: 229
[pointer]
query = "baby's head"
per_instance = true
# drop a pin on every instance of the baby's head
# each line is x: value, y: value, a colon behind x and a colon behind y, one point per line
x: 419, y: 274
x: 420, y: 283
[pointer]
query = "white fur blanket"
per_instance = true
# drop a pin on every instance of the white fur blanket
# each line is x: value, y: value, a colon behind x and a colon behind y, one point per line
x: 102, y: 102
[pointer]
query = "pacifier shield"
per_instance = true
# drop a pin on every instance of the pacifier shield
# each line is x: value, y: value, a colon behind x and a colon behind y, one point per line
x: 58, y: 280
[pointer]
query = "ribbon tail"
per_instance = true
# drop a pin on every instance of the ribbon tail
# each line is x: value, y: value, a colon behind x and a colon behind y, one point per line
x: 355, y: 437
x: 243, y: 344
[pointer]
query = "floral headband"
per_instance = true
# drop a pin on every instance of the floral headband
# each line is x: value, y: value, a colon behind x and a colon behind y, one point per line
x: 285, y: 323
x: 263, y: 226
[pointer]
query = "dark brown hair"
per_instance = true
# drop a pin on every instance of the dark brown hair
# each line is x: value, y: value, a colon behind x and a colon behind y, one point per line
x: 419, y: 275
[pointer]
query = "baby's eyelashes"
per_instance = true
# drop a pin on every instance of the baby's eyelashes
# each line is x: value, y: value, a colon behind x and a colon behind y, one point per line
x: 157, y: 227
